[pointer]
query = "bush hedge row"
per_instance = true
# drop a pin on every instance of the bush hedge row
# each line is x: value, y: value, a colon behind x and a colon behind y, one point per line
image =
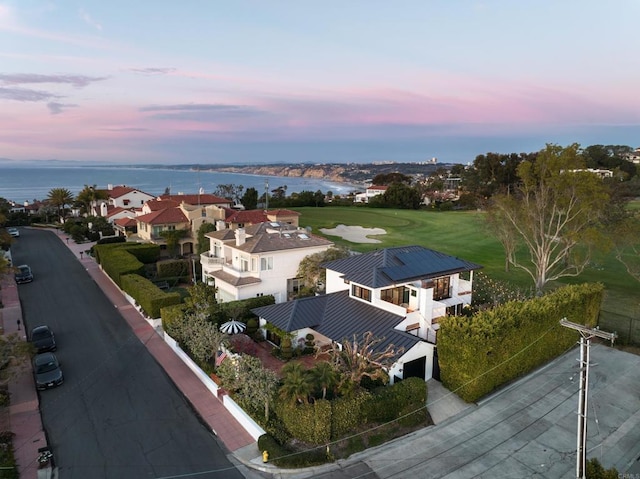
x: 146, y: 253
x: 150, y: 298
x: 118, y: 263
x: 324, y: 421
x: 478, y: 354
x: 178, y: 268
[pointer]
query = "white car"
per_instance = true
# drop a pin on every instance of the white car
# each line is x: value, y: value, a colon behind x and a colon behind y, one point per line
x: 13, y: 232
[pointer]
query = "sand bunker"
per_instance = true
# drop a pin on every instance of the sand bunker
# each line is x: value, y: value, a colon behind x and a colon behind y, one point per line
x: 355, y: 234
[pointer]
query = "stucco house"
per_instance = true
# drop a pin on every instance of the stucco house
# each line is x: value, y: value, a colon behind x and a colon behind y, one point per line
x: 122, y: 197
x: 369, y: 193
x: 258, y: 260
x: 399, y: 294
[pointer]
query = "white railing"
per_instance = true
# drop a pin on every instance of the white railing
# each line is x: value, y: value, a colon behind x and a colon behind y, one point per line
x: 210, y: 261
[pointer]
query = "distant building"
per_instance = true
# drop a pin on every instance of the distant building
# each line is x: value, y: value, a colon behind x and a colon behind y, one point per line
x: 369, y: 193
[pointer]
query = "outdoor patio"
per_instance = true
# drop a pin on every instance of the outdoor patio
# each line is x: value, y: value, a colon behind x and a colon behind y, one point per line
x: 262, y: 350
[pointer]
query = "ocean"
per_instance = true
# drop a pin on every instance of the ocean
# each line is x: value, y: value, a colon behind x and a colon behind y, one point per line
x: 31, y: 183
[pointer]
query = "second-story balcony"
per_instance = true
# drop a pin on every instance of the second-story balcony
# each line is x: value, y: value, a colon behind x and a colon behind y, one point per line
x: 211, y: 262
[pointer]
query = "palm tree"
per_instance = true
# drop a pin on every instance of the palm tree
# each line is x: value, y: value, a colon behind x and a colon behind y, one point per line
x: 89, y: 195
x: 60, y: 197
x: 296, y: 383
x: 325, y: 376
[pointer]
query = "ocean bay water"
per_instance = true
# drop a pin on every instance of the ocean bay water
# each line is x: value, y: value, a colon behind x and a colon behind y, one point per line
x: 30, y: 183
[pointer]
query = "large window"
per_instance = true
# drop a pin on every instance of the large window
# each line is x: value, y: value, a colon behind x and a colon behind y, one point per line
x: 360, y: 292
x: 399, y: 295
x: 441, y: 288
x: 266, y: 264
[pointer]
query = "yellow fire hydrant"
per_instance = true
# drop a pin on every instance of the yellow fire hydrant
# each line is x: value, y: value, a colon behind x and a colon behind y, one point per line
x: 265, y: 456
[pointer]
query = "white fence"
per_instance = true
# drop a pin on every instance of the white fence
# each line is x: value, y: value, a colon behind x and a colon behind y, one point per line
x: 242, y: 417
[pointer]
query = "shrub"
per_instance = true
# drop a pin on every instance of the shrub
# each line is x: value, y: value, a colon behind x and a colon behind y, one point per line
x: 480, y: 353
x: 150, y: 298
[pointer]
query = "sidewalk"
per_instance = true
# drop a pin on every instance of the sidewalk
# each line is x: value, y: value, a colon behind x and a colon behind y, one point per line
x: 24, y: 410
x: 209, y: 407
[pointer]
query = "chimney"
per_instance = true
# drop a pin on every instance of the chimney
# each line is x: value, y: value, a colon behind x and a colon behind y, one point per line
x: 220, y: 225
x: 241, y: 236
x: 103, y: 209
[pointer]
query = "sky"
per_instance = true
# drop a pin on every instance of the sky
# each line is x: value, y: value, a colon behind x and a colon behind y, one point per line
x: 242, y: 81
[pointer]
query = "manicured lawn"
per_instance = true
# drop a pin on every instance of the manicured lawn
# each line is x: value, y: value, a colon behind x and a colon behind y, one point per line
x: 463, y: 234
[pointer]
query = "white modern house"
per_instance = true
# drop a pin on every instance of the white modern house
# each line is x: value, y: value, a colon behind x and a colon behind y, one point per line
x: 399, y: 294
x: 258, y: 260
x: 369, y: 193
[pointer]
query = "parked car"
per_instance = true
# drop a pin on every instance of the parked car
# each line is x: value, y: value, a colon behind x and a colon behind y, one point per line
x: 23, y: 274
x: 15, y: 232
x: 43, y: 339
x: 47, y: 371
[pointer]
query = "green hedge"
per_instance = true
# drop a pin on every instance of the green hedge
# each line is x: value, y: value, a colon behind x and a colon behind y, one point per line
x: 388, y: 403
x: 173, y: 269
x: 348, y: 413
x: 480, y: 353
x: 150, y: 298
x: 244, y: 305
x: 169, y: 315
x: 146, y: 253
x: 118, y: 263
x: 310, y: 423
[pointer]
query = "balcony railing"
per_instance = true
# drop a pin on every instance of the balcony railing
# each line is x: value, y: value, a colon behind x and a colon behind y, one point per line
x: 210, y: 261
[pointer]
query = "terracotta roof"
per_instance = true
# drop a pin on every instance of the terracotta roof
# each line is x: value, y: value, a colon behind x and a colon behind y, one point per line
x: 203, y: 199
x: 246, y: 216
x: 126, y: 222
x: 157, y: 204
x: 114, y: 210
x: 381, y: 187
x: 166, y: 216
x: 121, y: 190
x: 283, y: 212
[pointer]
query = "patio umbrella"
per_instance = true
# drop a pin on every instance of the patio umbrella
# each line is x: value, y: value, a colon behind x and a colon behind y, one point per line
x: 233, y: 327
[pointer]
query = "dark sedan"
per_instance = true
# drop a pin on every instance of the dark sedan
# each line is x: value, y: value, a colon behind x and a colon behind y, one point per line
x: 47, y: 371
x: 43, y: 339
x: 23, y: 274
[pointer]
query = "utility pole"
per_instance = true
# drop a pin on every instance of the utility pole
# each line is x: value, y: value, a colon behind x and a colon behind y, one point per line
x: 586, y: 334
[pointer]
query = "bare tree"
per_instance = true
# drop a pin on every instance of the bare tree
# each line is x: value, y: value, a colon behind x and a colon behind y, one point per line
x: 359, y: 357
x: 555, y: 214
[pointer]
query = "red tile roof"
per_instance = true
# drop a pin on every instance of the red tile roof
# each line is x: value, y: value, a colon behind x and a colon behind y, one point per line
x: 246, y: 216
x: 203, y: 199
x: 158, y: 204
x: 163, y: 217
x: 126, y: 222
x: 121, y: 190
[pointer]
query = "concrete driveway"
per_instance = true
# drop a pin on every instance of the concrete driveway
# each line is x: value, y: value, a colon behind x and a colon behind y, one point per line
x: 529, y: 428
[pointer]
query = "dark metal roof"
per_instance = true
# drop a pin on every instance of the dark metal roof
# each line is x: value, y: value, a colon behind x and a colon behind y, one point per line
x: 338, y: 317
x: 397, y: 265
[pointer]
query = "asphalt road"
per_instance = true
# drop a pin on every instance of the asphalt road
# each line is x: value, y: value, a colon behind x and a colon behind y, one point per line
x: 117, y: 415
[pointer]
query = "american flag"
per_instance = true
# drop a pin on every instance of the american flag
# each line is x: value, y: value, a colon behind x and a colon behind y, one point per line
x: 220, y: 358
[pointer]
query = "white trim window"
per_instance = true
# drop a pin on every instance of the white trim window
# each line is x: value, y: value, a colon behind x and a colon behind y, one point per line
x: 266, y: 263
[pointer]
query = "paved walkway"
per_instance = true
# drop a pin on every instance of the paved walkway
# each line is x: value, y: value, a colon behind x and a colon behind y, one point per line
x: 24, y: 411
